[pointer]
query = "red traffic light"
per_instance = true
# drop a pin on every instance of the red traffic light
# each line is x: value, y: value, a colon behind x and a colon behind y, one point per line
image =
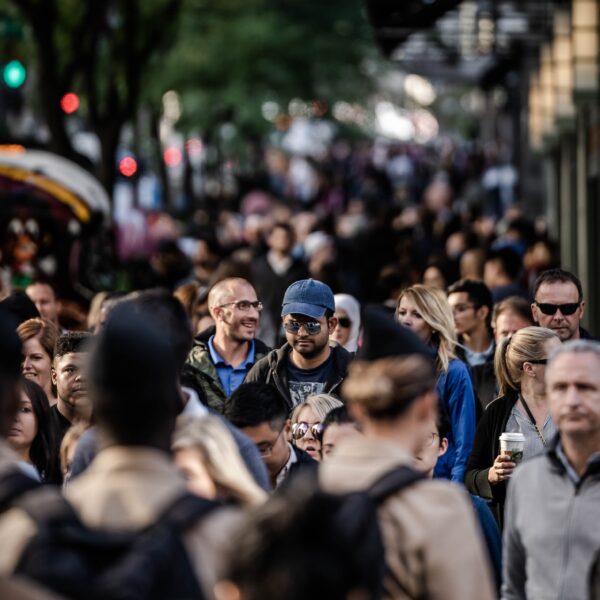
x: 128, y: 166
x: 69, y: 103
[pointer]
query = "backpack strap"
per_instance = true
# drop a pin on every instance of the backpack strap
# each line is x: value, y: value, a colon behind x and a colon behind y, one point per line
x: 393, y: 481
x: 185, y: 510
x: 13, y: 485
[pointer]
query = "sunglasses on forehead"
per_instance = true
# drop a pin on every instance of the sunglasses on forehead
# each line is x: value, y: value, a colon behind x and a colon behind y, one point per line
x: 565, y: 309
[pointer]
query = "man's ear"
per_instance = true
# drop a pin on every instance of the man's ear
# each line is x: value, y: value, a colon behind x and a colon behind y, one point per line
x: 331, y: 324
x: 581, y: 309
x: 443, y: 447
x: 483, y: 312
x: 53, y: 375
x: 287, y: 429
x: 535, y: 312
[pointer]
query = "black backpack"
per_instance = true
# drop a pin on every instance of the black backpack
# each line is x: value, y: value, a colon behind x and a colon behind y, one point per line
x: 13, y: 485
x: 84, y: 563
x: 347, y: 527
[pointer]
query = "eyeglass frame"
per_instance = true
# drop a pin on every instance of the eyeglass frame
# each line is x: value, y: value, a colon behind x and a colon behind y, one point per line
x: 561, y: 307
x: 294, y: 327
x: 431, y: 437
x: 318, y: 434
x: 256, y: 304
x: 264, y: 452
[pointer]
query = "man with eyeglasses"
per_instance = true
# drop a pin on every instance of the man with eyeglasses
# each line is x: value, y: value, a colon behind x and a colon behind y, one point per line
x: 471, y: 303
x: 260, y: 412
x: 559, y: 304
x: 306, y: 364
x: 223, y: 355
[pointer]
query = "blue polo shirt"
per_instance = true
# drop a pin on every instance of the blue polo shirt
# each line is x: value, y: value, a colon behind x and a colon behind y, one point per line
x: 231, y: 378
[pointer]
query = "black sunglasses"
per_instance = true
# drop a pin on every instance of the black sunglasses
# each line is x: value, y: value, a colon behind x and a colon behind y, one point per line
x: 311, y: 327
x: 565, y: 309
x: 344, y: 322
x: 539, y: 361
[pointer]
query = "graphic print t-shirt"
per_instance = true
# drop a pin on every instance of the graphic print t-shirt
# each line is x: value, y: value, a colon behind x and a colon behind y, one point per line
x: 306, y: 382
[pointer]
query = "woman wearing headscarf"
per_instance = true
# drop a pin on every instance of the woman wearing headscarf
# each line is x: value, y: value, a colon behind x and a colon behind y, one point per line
x: 347, y: 330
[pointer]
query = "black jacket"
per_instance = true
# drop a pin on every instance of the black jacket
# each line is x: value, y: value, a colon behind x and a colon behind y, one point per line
x: 273, y: 369
x: 486, y: 448
x: 484, y: 380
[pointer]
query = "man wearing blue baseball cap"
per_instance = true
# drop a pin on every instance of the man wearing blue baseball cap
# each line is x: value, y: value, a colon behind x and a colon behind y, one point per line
x: 306, y: 364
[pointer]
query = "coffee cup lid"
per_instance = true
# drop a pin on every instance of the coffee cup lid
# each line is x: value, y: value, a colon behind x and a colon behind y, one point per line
x: 512, y: 437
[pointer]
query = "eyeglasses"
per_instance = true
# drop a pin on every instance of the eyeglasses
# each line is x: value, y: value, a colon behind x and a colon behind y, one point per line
x: 311, y: 327
x: 344, y: 322
x: 565, y: 309
x: 299, y: 430
x: 430, y: 438
x: 244, y: 305
x: 265, y: 448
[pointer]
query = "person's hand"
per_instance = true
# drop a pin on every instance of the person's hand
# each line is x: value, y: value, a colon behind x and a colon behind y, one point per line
x: 501, y: 470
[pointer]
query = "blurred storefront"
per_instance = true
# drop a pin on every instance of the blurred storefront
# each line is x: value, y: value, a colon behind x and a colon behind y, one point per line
x: 536, y: 65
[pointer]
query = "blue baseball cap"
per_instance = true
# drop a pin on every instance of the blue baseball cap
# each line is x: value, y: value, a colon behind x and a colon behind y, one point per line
x: 308, y: 297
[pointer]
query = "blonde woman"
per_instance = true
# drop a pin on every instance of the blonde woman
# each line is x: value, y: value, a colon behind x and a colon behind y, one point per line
x: 426, y: 312
x: 520, y: 364
x: 307, y: 422
x: 208, y: 457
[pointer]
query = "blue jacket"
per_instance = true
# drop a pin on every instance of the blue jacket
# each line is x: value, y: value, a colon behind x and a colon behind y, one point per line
x: 455, y: 390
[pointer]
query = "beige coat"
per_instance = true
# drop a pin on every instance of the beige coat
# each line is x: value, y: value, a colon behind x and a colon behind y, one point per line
x: 126, y: 489
x: 433, y: 546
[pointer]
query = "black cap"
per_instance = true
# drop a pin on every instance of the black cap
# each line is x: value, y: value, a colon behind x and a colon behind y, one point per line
x: 20, y: 305
x: 383, y: 337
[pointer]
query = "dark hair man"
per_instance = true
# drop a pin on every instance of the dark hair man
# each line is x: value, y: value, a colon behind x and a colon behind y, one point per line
x: 68, y: 375
x: 222, y: 356
x: 260, y: 412
x: 337, y: 425
x: 559, y: 305
x: 501, y: 273
x: 509, y: 316
x: 471, y: 303
x: 552, y: 514
x: 272, y: 273
x: 42, y: 294
x: 305, y: 364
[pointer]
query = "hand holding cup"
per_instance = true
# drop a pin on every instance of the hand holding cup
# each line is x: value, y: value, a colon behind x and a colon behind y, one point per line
x: 501, y: 470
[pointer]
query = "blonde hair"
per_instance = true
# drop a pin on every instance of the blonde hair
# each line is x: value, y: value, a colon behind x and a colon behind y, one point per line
x: 386, y: 388
x: 526, y: 344
x: 436, y: 312
x: 320, y: 404
x: 220, y: 455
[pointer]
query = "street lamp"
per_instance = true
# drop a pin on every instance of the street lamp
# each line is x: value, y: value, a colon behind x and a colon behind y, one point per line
x: 584, y: 16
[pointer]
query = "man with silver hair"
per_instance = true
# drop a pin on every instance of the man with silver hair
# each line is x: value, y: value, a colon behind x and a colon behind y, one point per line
x: 552, y: 515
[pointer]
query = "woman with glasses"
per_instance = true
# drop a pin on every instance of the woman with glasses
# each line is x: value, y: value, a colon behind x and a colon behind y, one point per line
x: 347, y: 330
x: 426, y: 312
x: 519, y: 363
x: 307, y: 419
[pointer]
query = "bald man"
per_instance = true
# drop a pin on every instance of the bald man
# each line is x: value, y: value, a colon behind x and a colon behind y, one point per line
x: 222, y: 355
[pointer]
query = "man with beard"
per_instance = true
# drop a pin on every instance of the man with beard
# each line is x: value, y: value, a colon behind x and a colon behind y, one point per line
x: 73, y: 404
x: 223, y: 355
x: 305, y: 364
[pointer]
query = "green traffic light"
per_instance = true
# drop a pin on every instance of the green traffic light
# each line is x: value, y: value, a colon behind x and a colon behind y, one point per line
x: 14, y: 74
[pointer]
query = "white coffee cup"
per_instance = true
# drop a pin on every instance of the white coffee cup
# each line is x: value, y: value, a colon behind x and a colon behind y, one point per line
x: 512, y: 445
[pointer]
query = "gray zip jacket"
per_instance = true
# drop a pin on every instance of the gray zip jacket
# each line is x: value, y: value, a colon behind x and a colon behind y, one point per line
x: 552, y: 530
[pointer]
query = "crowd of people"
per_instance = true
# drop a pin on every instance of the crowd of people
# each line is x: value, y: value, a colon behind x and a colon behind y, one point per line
x: 315, y: 395
x: 159, y: 461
